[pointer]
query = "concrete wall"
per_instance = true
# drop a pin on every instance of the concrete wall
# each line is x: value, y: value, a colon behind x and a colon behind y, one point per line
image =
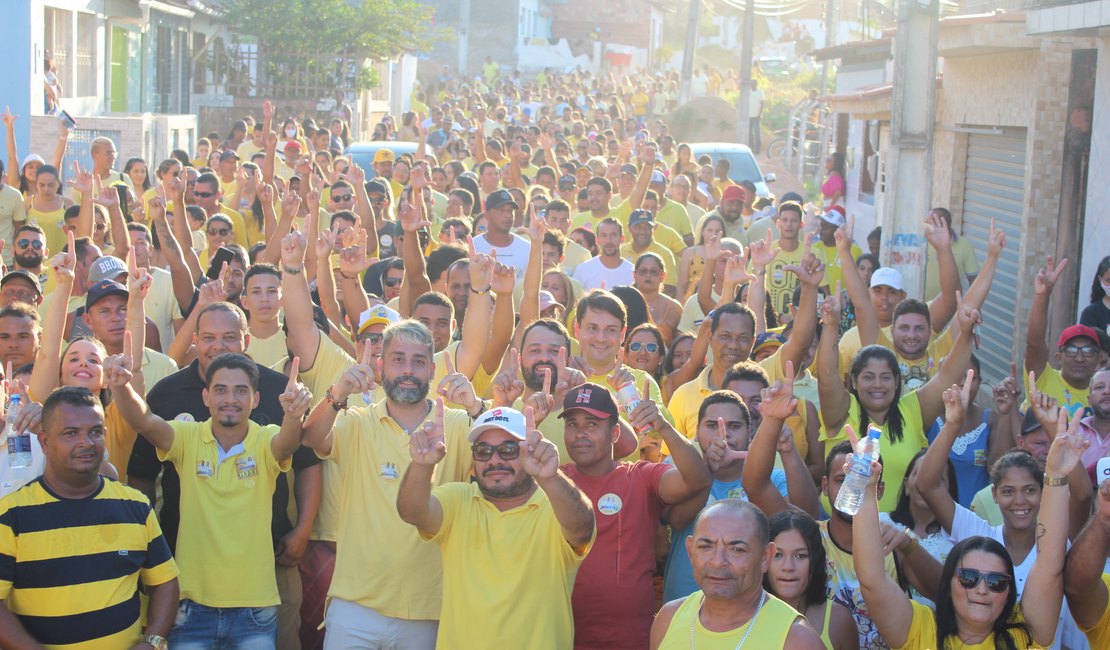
x: 1096, y: 231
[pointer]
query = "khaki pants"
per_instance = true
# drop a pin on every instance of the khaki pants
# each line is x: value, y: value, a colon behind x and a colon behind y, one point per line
x: 289, y: 611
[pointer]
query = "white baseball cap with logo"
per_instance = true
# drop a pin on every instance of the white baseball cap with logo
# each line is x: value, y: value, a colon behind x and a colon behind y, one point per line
x: 507, y: 419
x: 889, y: 277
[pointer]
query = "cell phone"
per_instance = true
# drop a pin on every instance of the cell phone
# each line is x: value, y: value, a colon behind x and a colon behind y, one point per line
x: 223, y: 254
x: 67, y: 119
x: 1102, y: 470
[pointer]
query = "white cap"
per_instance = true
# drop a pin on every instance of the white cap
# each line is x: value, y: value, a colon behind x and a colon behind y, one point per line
x: 547, y: 299
x: 888, y: 277
x: 375, y: 315
x: 509, y: 420
x: 30, y: 158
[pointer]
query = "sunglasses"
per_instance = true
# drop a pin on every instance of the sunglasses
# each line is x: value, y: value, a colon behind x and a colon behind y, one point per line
x: 996, y: 582
x: 341, y: 197
x: 636, y: 346
x: 373, y: 339
x: 1072, y: 351
x: 204, y: 195
x: 219, y: 232
x: 506, y: 450
x: 33, y: 243
x: 391, y: 282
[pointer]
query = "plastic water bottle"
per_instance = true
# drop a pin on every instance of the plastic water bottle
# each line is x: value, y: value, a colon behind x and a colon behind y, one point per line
x: 628, y: 398
x: 850, y: 497
x: 19, y: 442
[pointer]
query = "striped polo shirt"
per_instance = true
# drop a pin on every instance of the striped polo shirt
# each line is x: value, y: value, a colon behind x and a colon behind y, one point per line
x: 69, y: 568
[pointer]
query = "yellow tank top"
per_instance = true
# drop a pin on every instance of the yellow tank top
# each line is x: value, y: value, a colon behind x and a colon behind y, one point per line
x: 771, y: 627
x: 51, y: 224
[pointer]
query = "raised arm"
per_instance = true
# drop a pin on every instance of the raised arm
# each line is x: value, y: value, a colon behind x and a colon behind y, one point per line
x: 689, y: 370
x: 934, y: 464
x: 503, y: 320
x: 412, y: 218
x: 364, y: 209
x: 134, y: 337
x: 1036, y: 350
x: 811, y: 274
x: 867, y: 321
x: 944, y: 305
x: 44, y: 377
x: 1044, y: 589
x: 834, y: 397
x: 117, y: 374
x: 572, y: 508
x: 303, y: 338
x: 778, y: 404
x: 643, y: 179
x: 290, y: 208
x: 479, y: 309
x: 888, y: 605
x: 952, y: 368
x: 980, y: 288
x: 295, y: 402
x: 359, y: 378
x: 174, y: 188
x: 1004, y: 417
x: 13, y: 151
x: 415, y: 503
x: 60, y: 148
x: 1083, y: 585
x: 325, y: 276
x: 533, y: 273
x: 712, y: 248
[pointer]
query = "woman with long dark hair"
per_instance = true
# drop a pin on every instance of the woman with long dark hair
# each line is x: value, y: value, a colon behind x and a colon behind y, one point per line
x: 875, y: 394
x: 978, y: 605
x: 1097, y: 314
x: 913, y: 512
x: 832, y: 190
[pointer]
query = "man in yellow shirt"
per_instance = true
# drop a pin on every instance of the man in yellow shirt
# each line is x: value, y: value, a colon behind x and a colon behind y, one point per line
x: 788, y: 252
x: 228, y: 467
x: 825, y: 247
x: 517, y: 546
x: 641, y: 225
x: 208, y: 196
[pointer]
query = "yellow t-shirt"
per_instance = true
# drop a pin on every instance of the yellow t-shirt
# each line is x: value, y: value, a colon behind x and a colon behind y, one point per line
x: 771, y: 627
x: 780, y: 282
x: 51, y: 223
x: 669, y: 265
x: 12, y: 211
x: 156, y: 367
x: 829, y: 256
x: 161, y: 305
x: 512, y: 570
x: 923, y: 633
x: 225, y: 550
x: 1052, y: 383
x: 246, y: 149
x: 915, y: 373
x: 1099, y: 635
x: 573, y: 255
x: 378, y: 551
x: 896, y: 455
x: 844, y: 588
x: 676, y: 217
x: 270, y: 350
x: 687, y: 398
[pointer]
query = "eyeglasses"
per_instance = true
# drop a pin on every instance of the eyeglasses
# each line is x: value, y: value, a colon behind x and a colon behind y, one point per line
x: 341, y: 197
x: 204, y: 195
x: 636, y: 346
x: 99, y: 225
x: 996, y: 582
x: 33, y: 243
x: 391, y: 282
x: 507, y: 451
x: 372, y: 338
x: 219, y: 232
x: 1072, y: 351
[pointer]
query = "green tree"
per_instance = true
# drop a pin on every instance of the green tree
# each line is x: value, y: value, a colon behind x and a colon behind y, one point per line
x: 331, y: 37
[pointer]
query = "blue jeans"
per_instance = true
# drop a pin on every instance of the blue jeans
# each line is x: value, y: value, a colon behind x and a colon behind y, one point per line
x: 198, y: 627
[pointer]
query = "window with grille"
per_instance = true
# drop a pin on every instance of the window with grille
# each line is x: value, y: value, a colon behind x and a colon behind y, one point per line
x: 58, y: 36
x: 85, y: 60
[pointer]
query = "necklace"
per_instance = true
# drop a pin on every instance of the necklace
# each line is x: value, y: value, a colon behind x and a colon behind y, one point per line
x: 751, y: 623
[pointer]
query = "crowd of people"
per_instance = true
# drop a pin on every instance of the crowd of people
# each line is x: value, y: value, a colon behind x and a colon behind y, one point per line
x: 548, y: 382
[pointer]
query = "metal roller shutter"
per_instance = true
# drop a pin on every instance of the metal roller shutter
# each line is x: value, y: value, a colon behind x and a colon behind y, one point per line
x: 995, y: 189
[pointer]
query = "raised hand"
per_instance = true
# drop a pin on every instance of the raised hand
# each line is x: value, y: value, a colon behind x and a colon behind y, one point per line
x: 736, y: 270
x: 542, y: 402
x: 359, y: 378
x: 82, y: 179
x: 410, y: 218
x: 537, y: 226
x: 830, y: 310
x: 843, y: 238
x: 1007, y: 392
x: 457, y: 389
x: 1068, y: 446
x: 105, y: 196
x: 810, y: 271
x: 419, y: 178
x: 508, y: 384
x: 213, y: 291
x: 503, y: 280
x: 778, y: 401
x: 762, y: 252
x: 270, y: 141
x: 541, y: 456
x: 1049, y: 274
x: 647, y: 416
x: 720, y: 453
x: 996, y: 241
x: 956, y: 400
x: 1045, y: 407
x: 296, y: 399
x: 64, y: 263
x: 481, y: 267
x: 937, y: 232
x: 325, y: 244
x: 712, y: 247
x: 8, y: 118
x: 30, y: 414
x: 138, y: 279
x: 566, y: 377
x: 967, y: 318
x: 426, y: 444
x: 290, y: 205
x: 353, y: 260
x: 268, y: 110
x: 293, y: 247
x: 118, y: 367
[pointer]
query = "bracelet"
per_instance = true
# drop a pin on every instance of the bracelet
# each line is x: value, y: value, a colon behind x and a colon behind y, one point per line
x: 479, y: 292
x: 1055, y: 481
x: 330, y: 397
x: 915, y: 541
x: 292, y: 270
x: 485, y: 405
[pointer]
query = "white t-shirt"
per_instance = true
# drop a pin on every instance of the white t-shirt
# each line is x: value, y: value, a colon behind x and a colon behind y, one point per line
x: 592, y: 272
x: 514, y: 255
x: 966, y: 523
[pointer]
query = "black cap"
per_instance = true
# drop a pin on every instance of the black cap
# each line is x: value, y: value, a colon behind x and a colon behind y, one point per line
x: 594, y: 399
x: 628, y: 168
x: 1030, y: 423
x: 228, y: 155
x: 103, y: 289
x: 23, y: 275
x: 499, y: 198
x: 377, y: 185
x: 568, y: 180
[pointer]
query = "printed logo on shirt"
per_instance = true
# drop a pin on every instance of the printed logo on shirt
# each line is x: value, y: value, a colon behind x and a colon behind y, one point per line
x: 184, y: 417
x: 204, y: 469
x: 609, y: 504
x: 390, y: 471
x: 246, y: 468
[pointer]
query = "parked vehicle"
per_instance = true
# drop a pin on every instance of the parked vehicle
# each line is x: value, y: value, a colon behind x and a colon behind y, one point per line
x: 362, y: 153
x: 742, y: 163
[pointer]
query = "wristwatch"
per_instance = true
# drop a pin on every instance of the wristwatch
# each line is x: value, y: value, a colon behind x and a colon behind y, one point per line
x: 329, y: 396
x: 1055, y: 481
x: 158, y: 642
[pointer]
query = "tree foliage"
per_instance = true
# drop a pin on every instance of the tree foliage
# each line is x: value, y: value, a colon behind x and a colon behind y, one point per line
x: 291, y: 33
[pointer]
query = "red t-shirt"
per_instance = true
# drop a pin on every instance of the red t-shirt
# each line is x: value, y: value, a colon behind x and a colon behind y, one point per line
x: 614, y: 599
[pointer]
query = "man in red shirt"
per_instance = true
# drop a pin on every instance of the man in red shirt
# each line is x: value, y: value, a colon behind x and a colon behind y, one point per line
x: 613, y: 599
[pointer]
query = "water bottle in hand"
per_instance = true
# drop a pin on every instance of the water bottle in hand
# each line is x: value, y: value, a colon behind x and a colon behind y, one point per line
x: 628, y: 398
x: 855, y: 482
x: 19, y: 442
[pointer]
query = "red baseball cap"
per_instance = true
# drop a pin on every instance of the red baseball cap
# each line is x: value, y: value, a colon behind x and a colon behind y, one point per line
x: 733, y: 192
x: 1076, y: 331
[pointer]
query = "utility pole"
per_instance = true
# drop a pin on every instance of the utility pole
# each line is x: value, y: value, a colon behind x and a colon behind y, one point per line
x: 830, y: 40
x: 743, y: 126
x: 912, y: 124
x: 688, y: 52
x: 464, y: 37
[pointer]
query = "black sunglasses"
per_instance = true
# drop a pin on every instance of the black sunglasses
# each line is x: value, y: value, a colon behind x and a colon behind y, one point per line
x: 33, y: 243
x: 341, y: 197
x: 391, y: 282
x: 996, y: 582
x: 507, y: 450
x: 219, y: 232
x: 204, y: 195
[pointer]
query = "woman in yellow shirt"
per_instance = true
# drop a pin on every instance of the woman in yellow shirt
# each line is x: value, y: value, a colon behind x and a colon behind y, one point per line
x: 977, y: 603
x: 48, y: 207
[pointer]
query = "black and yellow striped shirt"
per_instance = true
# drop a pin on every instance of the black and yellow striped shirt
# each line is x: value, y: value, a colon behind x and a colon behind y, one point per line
x: 69, y: 568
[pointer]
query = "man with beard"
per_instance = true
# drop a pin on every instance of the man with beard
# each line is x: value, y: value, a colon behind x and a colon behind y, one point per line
x: 608, y: 268
x: 386, y: 586
x: 730, y: 551
x: 229, y: 589
x: 1096, y: 427
x: 731, y: 211
x: 613, y: 593
x: 28, y: 253
x: 510, y: 551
